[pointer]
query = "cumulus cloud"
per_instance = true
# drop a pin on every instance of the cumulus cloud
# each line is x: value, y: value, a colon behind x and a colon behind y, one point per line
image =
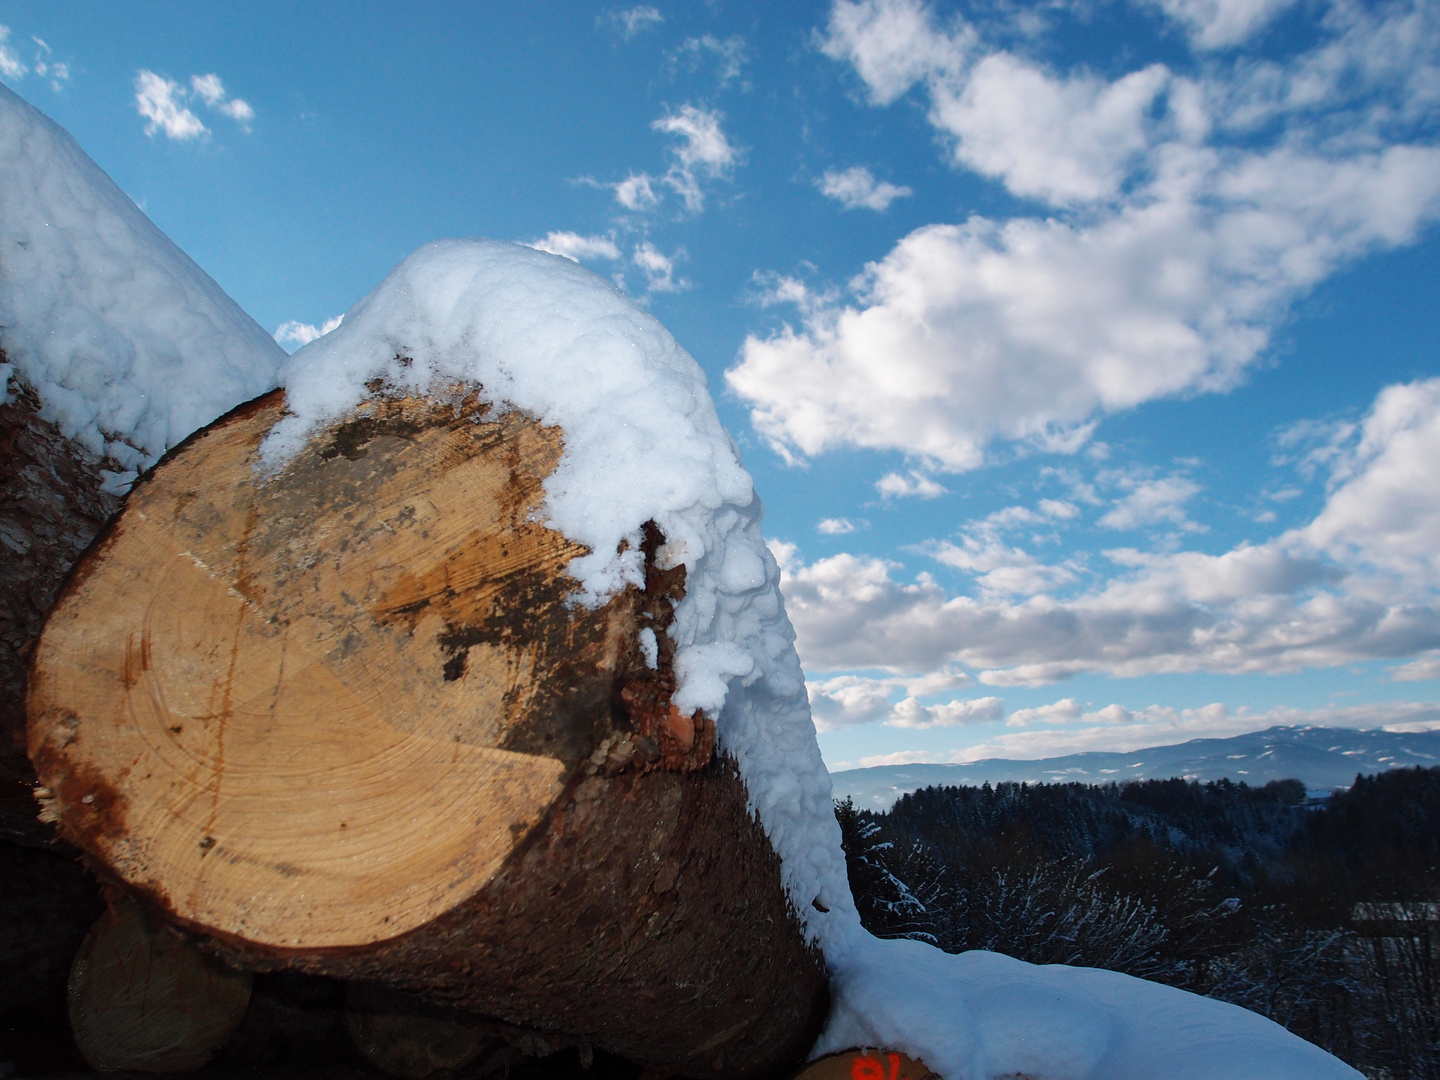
x: 165, y: 105
x: 293, y: 334
x: 1427, y: 667
x: 658, y: 268
x: 632, y: 21
x: 856, y: 188
x: 161, y: 102
x: 636, y: 192
x: 11, y: 66
x: 704, y: 152
x: 835, y: 526
x: 212, y: 91
x: 575, y: 247
x: 1218, y: 24
x: 1361, y: 581
x: 850, y: 700
x: 1165, y: 251
x: 912, y: 485
x: 1159, y: 501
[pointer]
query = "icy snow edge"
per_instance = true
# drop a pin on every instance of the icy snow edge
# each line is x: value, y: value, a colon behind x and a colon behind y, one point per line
x: 129, y: 345
x: 642, y: 442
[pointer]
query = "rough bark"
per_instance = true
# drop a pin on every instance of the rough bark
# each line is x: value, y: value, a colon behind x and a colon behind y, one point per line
x: 345, y: 719
x: 51, y: 507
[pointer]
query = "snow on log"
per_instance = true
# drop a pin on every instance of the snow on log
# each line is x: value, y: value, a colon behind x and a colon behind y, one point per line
x: 351, y: 708
x: 114, y: 346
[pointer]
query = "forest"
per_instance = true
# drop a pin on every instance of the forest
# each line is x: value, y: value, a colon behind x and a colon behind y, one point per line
x: 1322, y: 914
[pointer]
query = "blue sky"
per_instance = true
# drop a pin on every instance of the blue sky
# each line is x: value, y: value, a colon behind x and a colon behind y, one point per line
x: 1084, y: 352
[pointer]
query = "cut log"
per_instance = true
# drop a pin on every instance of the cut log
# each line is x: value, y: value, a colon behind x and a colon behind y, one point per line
x: 141, y: 998
x: 345, y: 719
x: 52, y: 504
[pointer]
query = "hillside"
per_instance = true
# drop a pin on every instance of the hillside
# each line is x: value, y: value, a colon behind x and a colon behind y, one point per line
x: 1320, y: 758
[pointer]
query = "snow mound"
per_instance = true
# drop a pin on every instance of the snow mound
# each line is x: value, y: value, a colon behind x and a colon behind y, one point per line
x: 129, y: 345
x: 540, y: 333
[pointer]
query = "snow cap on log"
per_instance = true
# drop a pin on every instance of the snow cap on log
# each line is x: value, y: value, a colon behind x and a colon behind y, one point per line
x: 642, y: 442
x: 128, y: 345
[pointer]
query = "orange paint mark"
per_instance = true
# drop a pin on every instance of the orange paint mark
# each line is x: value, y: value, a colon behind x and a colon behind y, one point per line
x: 866, y: 1068
x: 894, y: 1066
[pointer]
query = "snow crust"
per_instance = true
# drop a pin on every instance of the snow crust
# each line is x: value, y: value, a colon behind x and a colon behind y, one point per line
x: 129, y: 345
x: 540, y: 333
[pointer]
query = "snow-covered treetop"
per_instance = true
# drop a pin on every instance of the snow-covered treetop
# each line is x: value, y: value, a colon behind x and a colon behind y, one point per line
x: 128, y: 344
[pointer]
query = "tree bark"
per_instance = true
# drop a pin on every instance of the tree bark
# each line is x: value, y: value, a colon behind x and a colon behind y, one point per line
x: 344, y: 719
x: 51, y: 506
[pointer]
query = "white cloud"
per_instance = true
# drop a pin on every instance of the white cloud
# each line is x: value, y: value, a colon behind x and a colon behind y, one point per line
x: 633, y: 21
x: 910, y: 713
x: 1064, y: 141
x: 1384, y: 510
x: 999, y: 569
x: 704, y: 150
x: 658, y: 268
x: 164, y: 104
x: 161, y: 102
x: 11, y: 66
x: 835, y: 526
x: 1218, y: 24
x: 893, y: 44
x: 1427, y: 667
x: 1153, y: 502
x: 856, y: 188
x: 729, y: 54
x: 57, y: 71
x: 212, y: 91
x: 576, y: 247
x: 1064, y: 711
x: 1166, y: 256
x: 850, y: 700
x: 894, y: 486
x: 1361, y: 581
x: 295, y: 334
x: 636, y: 192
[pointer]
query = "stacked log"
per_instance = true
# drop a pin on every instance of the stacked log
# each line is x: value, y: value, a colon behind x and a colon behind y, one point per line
x: 346, y: 720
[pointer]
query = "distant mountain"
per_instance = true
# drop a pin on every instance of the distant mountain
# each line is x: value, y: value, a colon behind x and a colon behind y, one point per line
x: 1321, y: 758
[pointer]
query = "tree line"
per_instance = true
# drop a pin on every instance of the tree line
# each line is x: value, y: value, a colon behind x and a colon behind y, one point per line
x: 1323, y: 915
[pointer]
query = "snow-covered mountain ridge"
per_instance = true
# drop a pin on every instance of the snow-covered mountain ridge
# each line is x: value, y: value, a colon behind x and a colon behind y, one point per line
x: 1321, y: 758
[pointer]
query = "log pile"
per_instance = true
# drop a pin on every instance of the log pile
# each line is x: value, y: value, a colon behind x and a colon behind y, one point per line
x: 344, y: 720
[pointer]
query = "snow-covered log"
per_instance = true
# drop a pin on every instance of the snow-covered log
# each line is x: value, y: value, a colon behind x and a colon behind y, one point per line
x: 336, y: 697
x: 114, y: 346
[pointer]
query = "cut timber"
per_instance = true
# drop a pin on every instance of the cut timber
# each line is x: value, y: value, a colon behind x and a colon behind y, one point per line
x: 141, y: 998
x: 345, y: 719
